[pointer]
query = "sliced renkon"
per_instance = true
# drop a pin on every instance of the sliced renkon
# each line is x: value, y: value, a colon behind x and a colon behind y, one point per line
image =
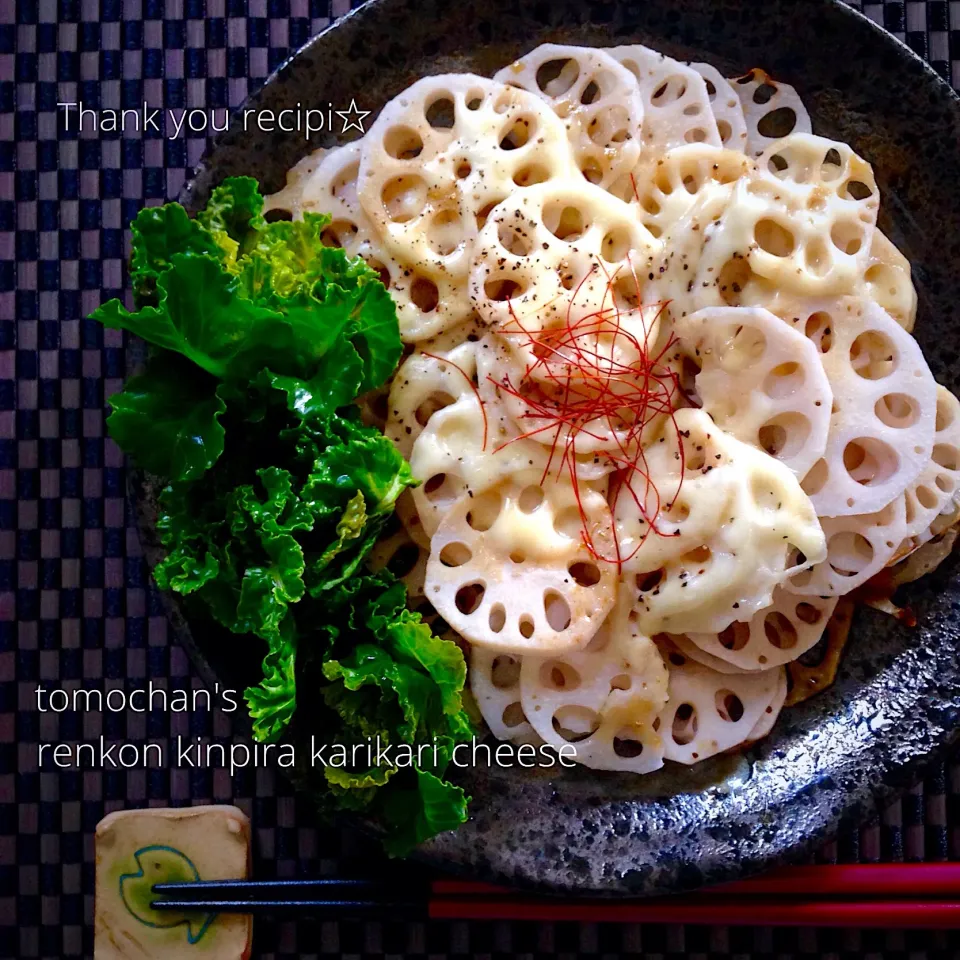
x: 603, y: 700
x: 445, y: 152
x: 595, y: 97
x: 709, y: 712
x: 720, y: 526
x: 495, y: 684
x: 509, y: 569
x: 676, y: 103
x: 884, y: 405
x: 761, y: 381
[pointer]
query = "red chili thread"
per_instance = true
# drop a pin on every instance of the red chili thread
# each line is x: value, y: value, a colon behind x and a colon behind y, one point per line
x: 578, y: 386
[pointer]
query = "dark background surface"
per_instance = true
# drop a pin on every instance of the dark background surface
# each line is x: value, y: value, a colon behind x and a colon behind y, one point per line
x: 76, y: 605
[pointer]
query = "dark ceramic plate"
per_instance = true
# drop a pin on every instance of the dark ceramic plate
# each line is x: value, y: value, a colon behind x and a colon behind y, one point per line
x: 895, y: 704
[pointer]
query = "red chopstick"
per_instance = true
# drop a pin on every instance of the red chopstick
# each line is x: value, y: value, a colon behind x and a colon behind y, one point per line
x: 890, y: 895
x: 900, y: 914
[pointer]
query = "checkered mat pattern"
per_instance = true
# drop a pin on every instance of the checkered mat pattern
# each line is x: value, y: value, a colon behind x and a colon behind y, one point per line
x: 76, y: 605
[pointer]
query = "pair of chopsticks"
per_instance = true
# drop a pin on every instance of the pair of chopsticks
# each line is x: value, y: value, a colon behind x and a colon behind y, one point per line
x: 905, y: 896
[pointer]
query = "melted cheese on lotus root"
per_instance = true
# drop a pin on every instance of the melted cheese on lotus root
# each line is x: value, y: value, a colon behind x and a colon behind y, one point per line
x: 495, y: 684
x: 289, y: 199
x: 761, y: 381
x: 725, y: 107
x: 884, y: 405
x: 708, y: 712
x: 535, y: 407
x: 472, y: 443
x: 445, y: 152
x: 663, y: 189
x: 723, y: 537
x: 563, y: 257
x: 603, y: 699
x: 804, y: 222
x: 596, y: 98
x: 509, y: 569
x: 676, y: 102
x: 772, y: 110
x: 775, y: 635
x: 425, y: 306
x: 424, y: 383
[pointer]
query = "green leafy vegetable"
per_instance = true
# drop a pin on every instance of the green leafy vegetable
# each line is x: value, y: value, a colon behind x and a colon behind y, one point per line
x: 262, y: 337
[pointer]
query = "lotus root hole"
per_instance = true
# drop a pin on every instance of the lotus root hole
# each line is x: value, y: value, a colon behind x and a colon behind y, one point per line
x: 615, y: 245
x: 784, y: 380
x: 808, y: 613
x: 947, y: 456
x: 436, y: 401
x: 455, y: 554
x: 735, y: 636
x: 505, y: 671
x: 857, y: 190
x: 557, y: 611
x: 780, y: 632
x: 513, y: 715
x: 847, y: 237
x: 774, y: 238
x: 556, y: 77
x: 402, y: 143
x: 469, y: 597
x: 568, y: 523
x: 404, y: 197
x: 873, y: 356
x: 684, y: 727
x: 777, y: 123
x: 575, y: 723
x: 484, y: 511
x: 848, y: 553
x: 526, y: 626
x: 441, y: 113
x: 733, y: 279
x: 497, y: 619
x: 785, y: 435
x: 627, y: 747
x: 870, y: 461
x: 729, y: 706
x: 517, y: 133
x: 815, y: 478
x: 564, y: 221
x: 500, y: 289
x: 558, y: 675
x: 649, y: 581
x: 671, y: 90
x: 819, y: 330
x: 530, y: 499
x: 530, y: 174
x: 584, y: 573
x: 514, y: 237
x: 897, y: 410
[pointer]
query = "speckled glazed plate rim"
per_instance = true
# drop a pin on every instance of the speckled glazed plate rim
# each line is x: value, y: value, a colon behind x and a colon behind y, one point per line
x: 600, y: 834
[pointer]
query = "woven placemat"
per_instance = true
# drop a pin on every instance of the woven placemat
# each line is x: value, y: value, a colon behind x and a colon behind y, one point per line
x: 76, y: 605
